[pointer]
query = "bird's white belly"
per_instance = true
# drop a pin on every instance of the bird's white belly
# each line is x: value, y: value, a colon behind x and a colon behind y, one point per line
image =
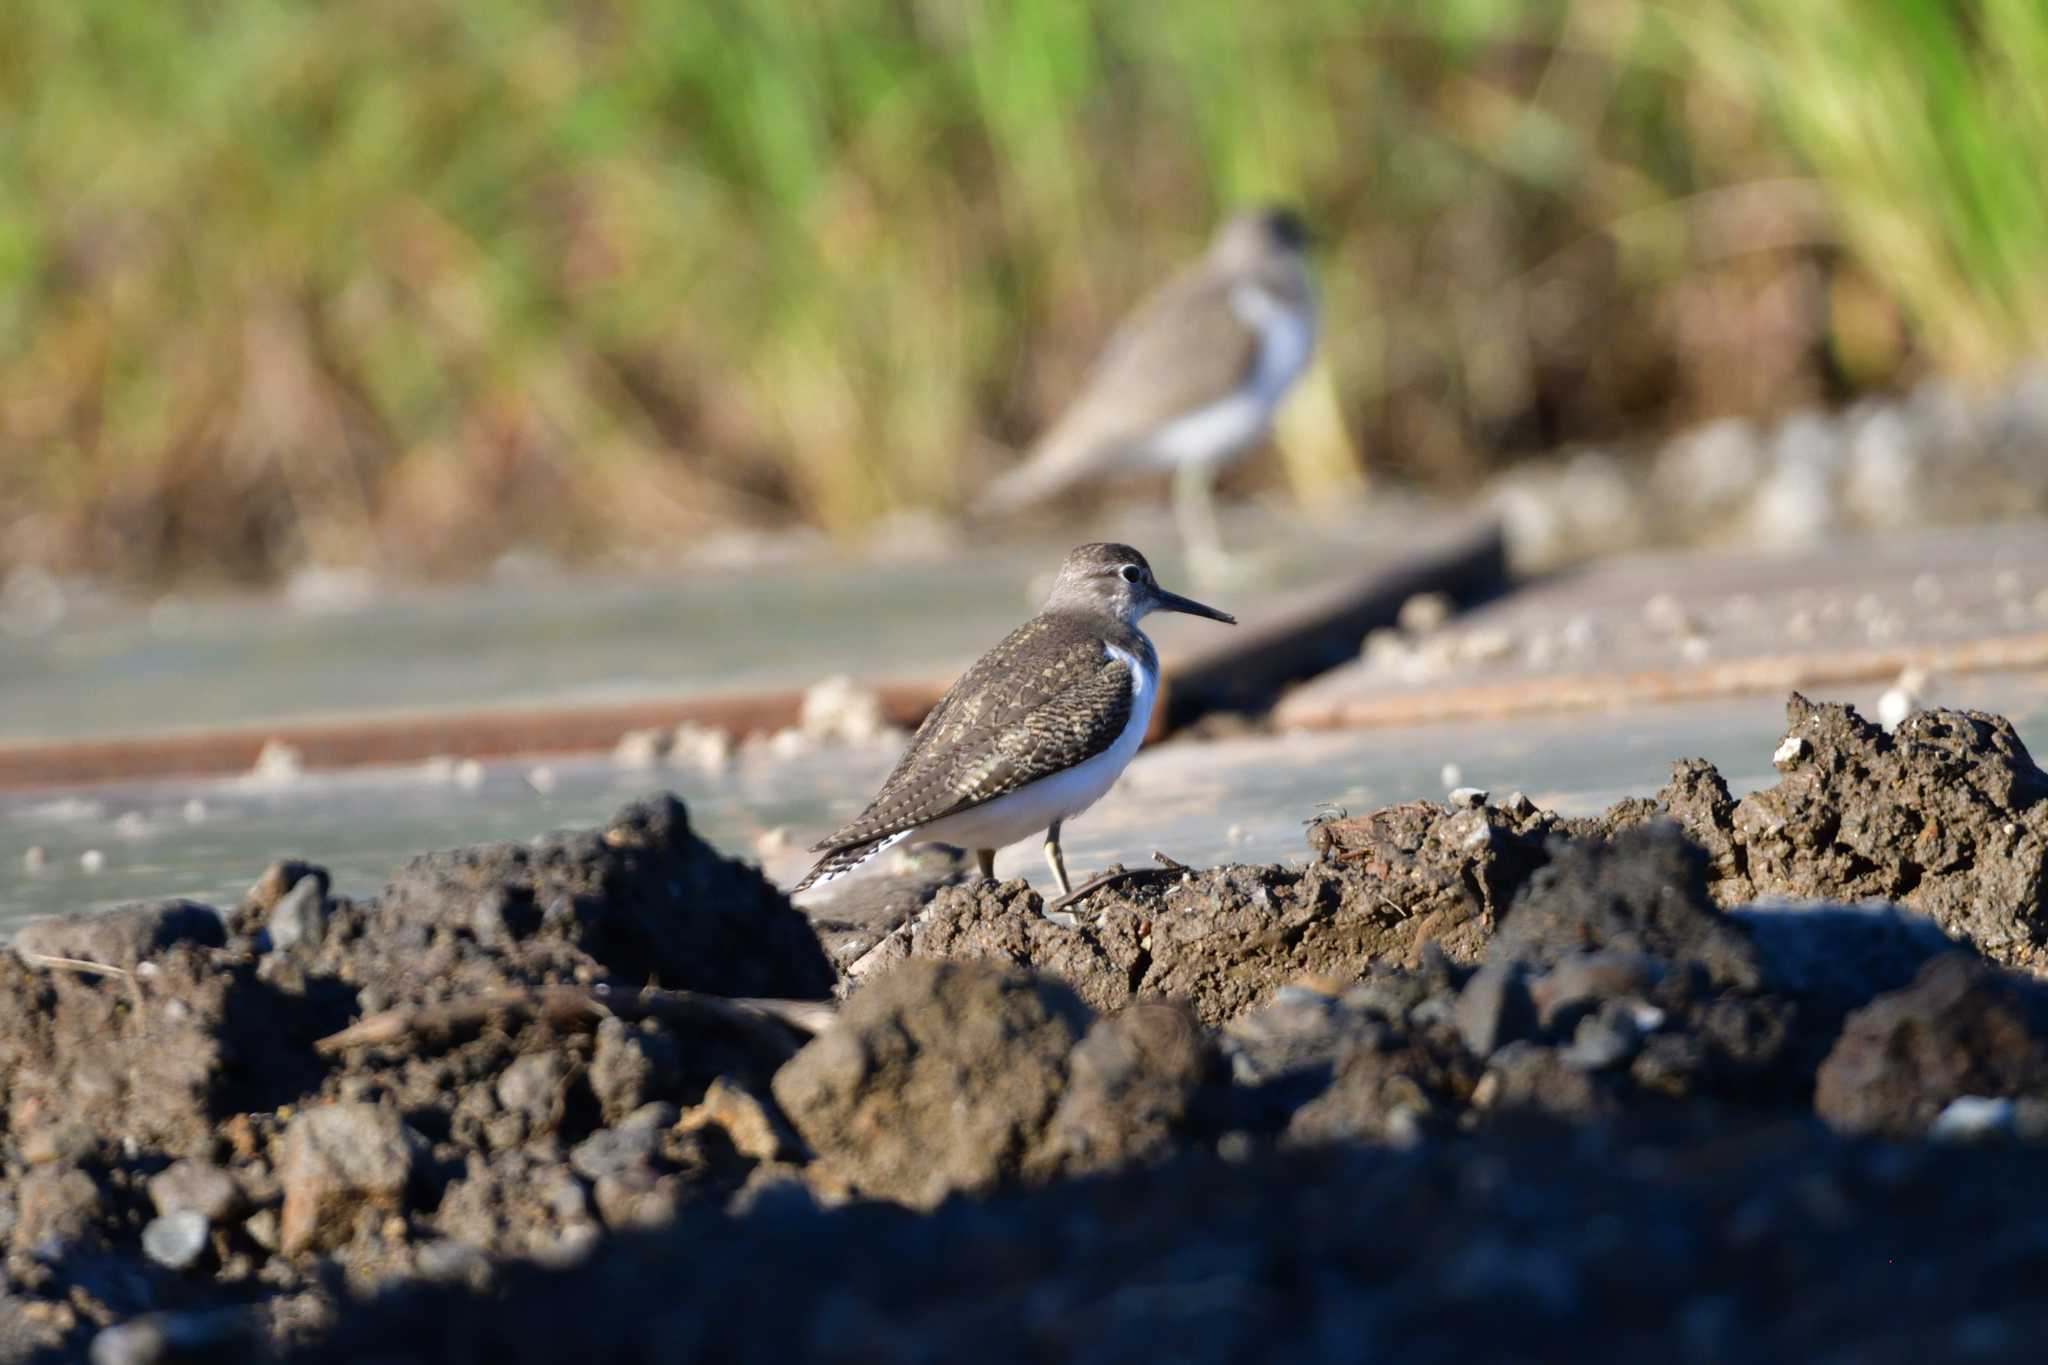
x: 1032, y: 809
x: 1212, y: 435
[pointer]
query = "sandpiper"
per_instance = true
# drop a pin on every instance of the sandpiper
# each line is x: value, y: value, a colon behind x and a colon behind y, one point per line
x: 1035, y: 732
x: 1190, y: 381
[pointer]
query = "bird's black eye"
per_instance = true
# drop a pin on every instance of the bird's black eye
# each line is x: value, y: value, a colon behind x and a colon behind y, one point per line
x: 1133, y: 574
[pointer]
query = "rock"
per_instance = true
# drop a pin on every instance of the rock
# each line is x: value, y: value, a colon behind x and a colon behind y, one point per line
x: 177, y: 1240
x: 757, y: 1130
x: 196, y: 1186
x: 614, y: 1151
x: 1524, y: 1076
x: 1947, y: 816
x: 338, y: 1159
x: 937, y: 1077
x: 641, y: 898
x: 1382, y: 887
x: 641, y: 749
x: 1975, y: 1118
x: 1961, y: 1028
x: 1833, y: 959
x: 1386, y: 1086
x: 536, y: 1088
x: 59, y: 1143
x: 629, y: 1068
x: 839, y: 711
x: 300, y: 916
x: 1581, y: 982
x: 1131, y: 1088
x: 270, y: 888
x: 1468, y: 798
x: 1494, y: 1008
x: 1551, y: 1239
x: 1644, y: 893
x: 54, y: 1206
x: 1608, y: 1039
x: 160, y: 1338
x: 637, y: 1197
x: 124, y: 936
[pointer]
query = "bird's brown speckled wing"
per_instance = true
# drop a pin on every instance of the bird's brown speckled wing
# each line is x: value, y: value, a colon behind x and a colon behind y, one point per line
x: 1184, y: 349
x: 1044, y: 699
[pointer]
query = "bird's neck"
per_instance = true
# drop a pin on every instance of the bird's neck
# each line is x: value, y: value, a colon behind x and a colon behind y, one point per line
x: 1112, y: 629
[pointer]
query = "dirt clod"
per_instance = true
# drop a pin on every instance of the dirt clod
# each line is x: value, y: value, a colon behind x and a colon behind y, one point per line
x: 1962, y: 1028
x: 939, y: 1077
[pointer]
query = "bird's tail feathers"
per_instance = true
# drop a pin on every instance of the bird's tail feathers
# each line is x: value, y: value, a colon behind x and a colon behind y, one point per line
x: 841, y: 861
x: 1058, y: 462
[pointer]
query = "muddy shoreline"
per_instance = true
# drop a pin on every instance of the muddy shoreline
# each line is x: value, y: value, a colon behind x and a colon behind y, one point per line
x: 1699, y: 1076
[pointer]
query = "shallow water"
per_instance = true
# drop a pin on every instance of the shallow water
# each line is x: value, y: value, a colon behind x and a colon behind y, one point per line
x: 100, y: 666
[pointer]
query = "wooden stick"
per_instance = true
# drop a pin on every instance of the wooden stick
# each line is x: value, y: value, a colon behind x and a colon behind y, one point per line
x: 85, y: 967
x: 1102, y: 879
x: 580, y: 1007
x: 71, y: 964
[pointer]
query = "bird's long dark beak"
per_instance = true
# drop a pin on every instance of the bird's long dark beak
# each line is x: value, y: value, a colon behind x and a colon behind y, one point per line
x: 1162, y: 600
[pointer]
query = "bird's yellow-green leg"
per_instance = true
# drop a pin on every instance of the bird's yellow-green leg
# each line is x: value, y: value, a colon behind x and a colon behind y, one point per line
x: 1053, y: 859
x: 1194, y: 511
x: 1194, y: 508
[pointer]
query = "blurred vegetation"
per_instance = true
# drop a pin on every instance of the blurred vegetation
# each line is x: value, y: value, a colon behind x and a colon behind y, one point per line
x: 413, y: 282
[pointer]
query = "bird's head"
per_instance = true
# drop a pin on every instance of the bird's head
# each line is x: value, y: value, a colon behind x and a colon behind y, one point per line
x: 1112, y: 578
x: 1255, y: 236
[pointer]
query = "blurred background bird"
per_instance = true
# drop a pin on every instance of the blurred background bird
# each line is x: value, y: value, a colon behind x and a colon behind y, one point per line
x: 1189, y: 382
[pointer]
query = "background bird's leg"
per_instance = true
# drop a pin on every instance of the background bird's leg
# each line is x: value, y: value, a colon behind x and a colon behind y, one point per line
x: 987, y: 858
x: 1194, y: 509
x: 1054, y: 860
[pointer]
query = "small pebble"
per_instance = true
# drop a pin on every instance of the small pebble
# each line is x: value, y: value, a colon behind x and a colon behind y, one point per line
x: 131, y: 824
x: 703, y: 747
x: 640, y: 748
x: 35, y: 859
x: 195, y: 812
x: 1666, y: 615
x: 1973, y: 1118
x: 775, y: 842
x: 1791, y: 749
x: 1486, y: 647
x: 1453, y: 776
x: 1424, y: 612
x: 1518, y: 804
x: 176, y: 1240
x: 92, y: 860
x: 469, y: 774
x: 278, y: 762
x: 1468, y: 798
x: 541, y: 779
x: 1902, y: 698
x: 791, y: 743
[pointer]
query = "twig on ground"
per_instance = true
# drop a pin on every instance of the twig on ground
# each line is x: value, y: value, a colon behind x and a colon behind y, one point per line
x: 84, y: 967
x: 580, y: 1007
x: 1096, y: 883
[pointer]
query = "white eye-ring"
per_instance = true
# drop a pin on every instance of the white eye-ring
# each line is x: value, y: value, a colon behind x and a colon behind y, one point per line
x: 1132, y: 573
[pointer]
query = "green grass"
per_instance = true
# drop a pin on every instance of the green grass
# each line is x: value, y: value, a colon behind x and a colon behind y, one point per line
x: 412, y: 283
x: 1926, y: 119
